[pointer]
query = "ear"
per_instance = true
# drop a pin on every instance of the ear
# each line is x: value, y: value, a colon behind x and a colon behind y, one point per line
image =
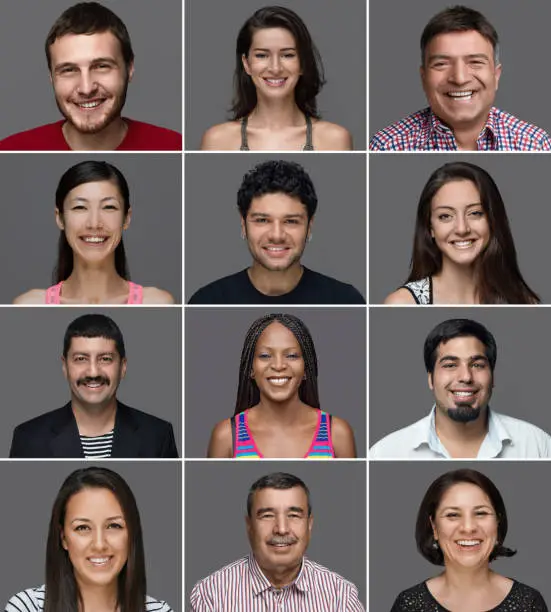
x: 497, y: 74
x: 431, y: 385
x: 246, y: 66
x: 130, y: 71
x: 431, y: 232
x: 310, y: 524
x: 310, y: 223
x: 248, y: 526
x: 434, y: 530
x: 423, y: 75
x: 243, y: 228
x: 59, y: 219
x: 64, y: 367
x: 63, y: 540
x: 127, y: 219
x: 123, y: 368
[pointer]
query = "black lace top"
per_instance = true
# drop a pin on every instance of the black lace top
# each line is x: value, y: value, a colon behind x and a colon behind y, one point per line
x: 521, y: 598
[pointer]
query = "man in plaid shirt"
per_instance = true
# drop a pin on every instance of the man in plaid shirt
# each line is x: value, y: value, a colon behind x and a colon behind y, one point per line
x: 460, y: 74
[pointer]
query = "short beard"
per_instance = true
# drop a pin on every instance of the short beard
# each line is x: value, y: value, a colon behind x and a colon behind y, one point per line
x: 463, y: 413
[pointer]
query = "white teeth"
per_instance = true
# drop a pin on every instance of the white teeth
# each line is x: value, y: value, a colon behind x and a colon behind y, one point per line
x: 94, y: 239
x: 276, y: 81
x: 468, y: 542
x: 463, y: 393
x: 279, y: 381
x: 94, y: 385
x: 462, y: 244
x: 460, y: 94
x: 277, y: 249
x: 89, y: 104
x: 99, y: 560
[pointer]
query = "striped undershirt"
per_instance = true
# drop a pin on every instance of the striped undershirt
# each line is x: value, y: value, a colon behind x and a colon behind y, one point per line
x: 97, y: 447
x: 242, y: 587
x: 32, y: 600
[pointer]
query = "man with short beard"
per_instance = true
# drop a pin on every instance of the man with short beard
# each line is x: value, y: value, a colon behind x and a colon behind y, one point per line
x: 94, y: 424
x: 91, y: 63
x: 460, y: 357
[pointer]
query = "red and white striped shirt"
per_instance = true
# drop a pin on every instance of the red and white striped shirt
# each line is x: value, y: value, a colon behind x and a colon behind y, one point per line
x: 242, y: 587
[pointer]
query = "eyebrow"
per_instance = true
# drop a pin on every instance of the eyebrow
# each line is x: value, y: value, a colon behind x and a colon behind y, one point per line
x: 289, y: 216
x: 289, y: 509
x: 283, y: 49
x: 456, y: 358
x: 287, y: 348
x: 85, y: 354
x: 449, y: 56
x: 474, y: 507
x: 109, y: 518
x: 449, y: 207
x: 83, y: 199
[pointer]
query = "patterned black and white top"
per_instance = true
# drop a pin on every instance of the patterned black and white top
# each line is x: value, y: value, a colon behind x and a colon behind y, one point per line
x: 521, y: 598
x: 32, y: 600
x: 421, y: 290
x: 97, y: 447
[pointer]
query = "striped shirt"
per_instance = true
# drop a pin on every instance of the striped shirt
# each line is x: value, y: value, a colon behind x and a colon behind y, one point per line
x: 97, y: 447
x: 242, y: 587
x: 423, y: 131
x: 32, y: 600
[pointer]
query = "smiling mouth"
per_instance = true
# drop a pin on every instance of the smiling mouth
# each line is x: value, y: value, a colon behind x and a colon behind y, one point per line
x: 89, y: 106
x: 279, y: 381
x: 461, y: 95
x: 463, y: 244
x: 276, y: 251
x: 468, y: 544
x: 94, y: 239
x: 99, y: 561
x: 275, y: 82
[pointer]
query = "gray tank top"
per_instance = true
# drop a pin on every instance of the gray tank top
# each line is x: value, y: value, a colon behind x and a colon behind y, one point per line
x: 245, y: 143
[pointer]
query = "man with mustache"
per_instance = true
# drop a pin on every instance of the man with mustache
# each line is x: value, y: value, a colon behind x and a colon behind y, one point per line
x: 460, y: 357
x: 94, y: 423
x: 91, y: 63
x: 276, y: 575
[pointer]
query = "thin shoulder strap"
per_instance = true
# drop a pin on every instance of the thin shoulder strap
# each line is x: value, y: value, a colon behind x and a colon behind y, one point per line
x: 233, y: 435
x: 309, y: 146
x: 244, y: 140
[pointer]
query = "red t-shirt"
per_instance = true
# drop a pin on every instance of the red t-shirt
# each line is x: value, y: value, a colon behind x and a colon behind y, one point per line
x: 139, y: 137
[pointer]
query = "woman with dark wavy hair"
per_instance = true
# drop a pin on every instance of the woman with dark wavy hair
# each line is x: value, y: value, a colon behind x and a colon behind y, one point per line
x: 277, y: 412
x: 463, y: 249
x: 92, y: 212
x: 94, y: 553
x: 462, y: 525
x: 278, y: 75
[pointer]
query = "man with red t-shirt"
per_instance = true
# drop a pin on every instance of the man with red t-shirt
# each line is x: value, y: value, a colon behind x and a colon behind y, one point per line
x: 91, y: 62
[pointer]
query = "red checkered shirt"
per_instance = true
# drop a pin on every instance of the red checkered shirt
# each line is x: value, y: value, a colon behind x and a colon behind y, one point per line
x: 424, y: 131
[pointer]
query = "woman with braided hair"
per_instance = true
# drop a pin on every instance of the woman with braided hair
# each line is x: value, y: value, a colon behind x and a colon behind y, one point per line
x: 277, y: 412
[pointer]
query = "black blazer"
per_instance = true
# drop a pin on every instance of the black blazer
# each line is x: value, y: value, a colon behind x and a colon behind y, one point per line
x: 55, y: 434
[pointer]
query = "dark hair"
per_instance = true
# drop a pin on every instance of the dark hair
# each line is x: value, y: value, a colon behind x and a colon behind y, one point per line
x: 94, y: 325
x: 459, y: 19
x: 277, y: 176
x: 280, y: 481
x: 499, y: 280
x: 458, y: 328
x: 247, y: 393
x: 312, y: 78
x: 79, y: 174
x: 424, y: 535
x: 62, y: 591
x: 90, y: 18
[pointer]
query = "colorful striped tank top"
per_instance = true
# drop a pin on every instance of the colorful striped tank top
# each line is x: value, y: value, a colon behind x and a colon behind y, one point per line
x: 135, y: 293
x: 244, y: 446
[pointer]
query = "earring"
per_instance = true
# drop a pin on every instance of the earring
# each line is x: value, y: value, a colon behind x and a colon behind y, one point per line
x: 309, y: 238
x: 435, y: 545
x: 242, y: 236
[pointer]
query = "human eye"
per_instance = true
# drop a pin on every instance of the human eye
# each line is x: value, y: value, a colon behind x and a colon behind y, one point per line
x: 480, y: 365
x: 292, y: 221
x: 439, y: 64
x: 448, y: 365
x: 289, y: 55
x: 266, y: 516
x: 79, y: 358
x: 81, y: 528
x: 78, y: 207
x: 115, y: 525
x: 260, y: 220
x: 67, y: 70
x: 260, y: 55
x: 451, y: 515
x: 477, y: 213
x: 263, y: 355
x: 106, y: 359
x: 294, y: 355
x: 444, y: 217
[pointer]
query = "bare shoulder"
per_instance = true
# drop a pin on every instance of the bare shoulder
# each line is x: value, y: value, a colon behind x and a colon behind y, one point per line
x: 152, y: 295
x: 34, y: 296
x: 400, y: 296
x: 220, y: 443
x: 331, y: 137
x: 222, y: 137
x: 342, y: 436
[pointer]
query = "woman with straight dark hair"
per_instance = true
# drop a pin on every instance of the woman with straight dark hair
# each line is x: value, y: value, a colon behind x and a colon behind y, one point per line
x: 94, y: 553
x: 463, y: 249
x: 278, y: 74
x: 462, y: 525
x: 277, y: 412
x: 92, y: 211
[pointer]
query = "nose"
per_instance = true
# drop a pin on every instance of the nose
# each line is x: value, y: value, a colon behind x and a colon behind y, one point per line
x: 281, y: 525
x: 86, y: 84
x: 278, y: 362
x: 459, y: 73
x: 93, y: 218
x: 275, y: 63
x: 462, y: 225
x: 277, y: 231
x: 468, y: 523
x: 100, y: 540
x: 93, y: 368
x: 465, y: 373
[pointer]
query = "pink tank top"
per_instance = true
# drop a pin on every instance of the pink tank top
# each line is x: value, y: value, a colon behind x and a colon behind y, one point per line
x: 135, y: 294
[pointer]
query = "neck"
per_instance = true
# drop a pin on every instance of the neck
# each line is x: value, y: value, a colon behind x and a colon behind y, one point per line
x: 461, y: 439
x: 94, y: 420
x: 98, y: 598
x: 458, y: 284
x: 279, y: 578
x: 286, y: 413
x: 276, y: 114
x: 277, y: 282
x: 107, y: 139
x: 465, y: 579
x: 94, y: 283
x: 466, y: 136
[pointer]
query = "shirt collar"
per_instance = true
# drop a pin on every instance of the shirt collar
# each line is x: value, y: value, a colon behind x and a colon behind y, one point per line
x: 437, y: 124
x: 492, y: 445
x: 260, y: 583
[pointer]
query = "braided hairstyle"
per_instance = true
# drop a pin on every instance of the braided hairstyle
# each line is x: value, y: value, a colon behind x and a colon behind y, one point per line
x: 248, y: 394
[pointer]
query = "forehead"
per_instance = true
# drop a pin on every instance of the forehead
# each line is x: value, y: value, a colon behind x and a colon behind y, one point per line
x: 96, y: 190
x: 459, y: 44
x: 277, y: 335
x: 280, y: 498
x: 464, y: 494
x: 83, y: 48
x: 276, y: 205
x: 92, y: 345
x: 272, y: 38
x: 463, y: 347
x: 456, y: 193
x: 91, y: 502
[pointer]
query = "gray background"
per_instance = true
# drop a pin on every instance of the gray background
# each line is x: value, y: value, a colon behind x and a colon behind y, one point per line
x: 395, y: 29
x: 396, y: 182
x: 399, y: 393
x: 153, y: 241
x: 338, y: 31
x: 33, y: 382
x: 154, y: 94
x: 396, y: 490
x: 28, y: 493
x: 213, y: 245
x: 215, y: 515
x: 214, y: 340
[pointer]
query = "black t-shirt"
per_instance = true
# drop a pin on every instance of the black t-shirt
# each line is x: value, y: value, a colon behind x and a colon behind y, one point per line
x: 313, y: 288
